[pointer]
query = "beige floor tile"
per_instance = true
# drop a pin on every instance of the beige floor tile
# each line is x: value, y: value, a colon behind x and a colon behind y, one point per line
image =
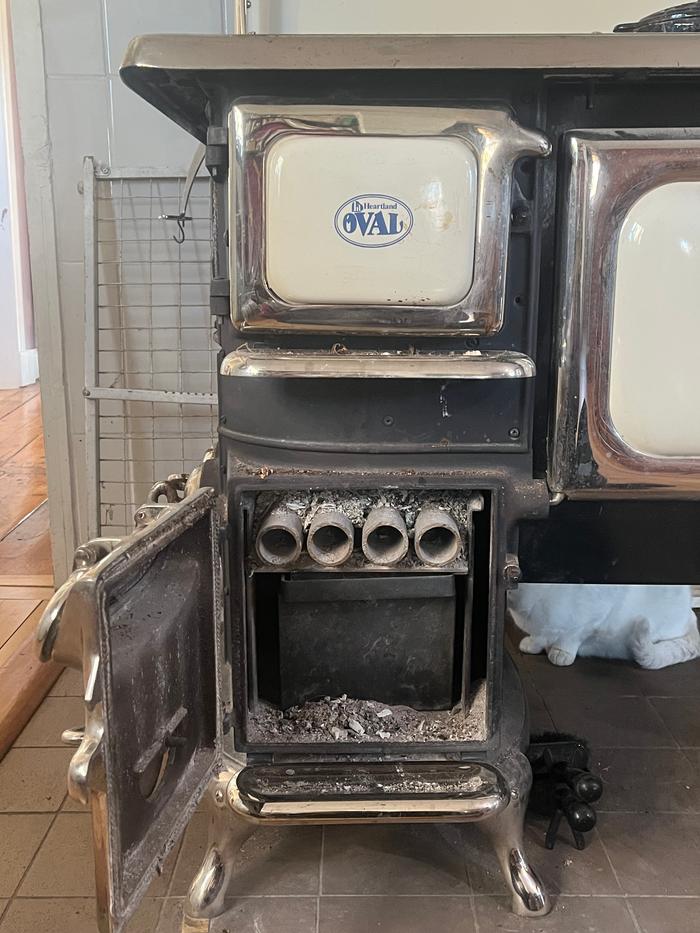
x: 279, y: 860
x: 3, y: 904
x: 267, y: 915
x: 145, y: 920
x: 73, y: 806
x: 647, y: 780
x: 540, y: 717
x: 69, y: 915
x: 33, y: 779
x: 276, y: 860
x: 421, y: 859
x: 250, y: 915
x: 540, y: 721
x: 586, y: 677
x: 160, y: 885
x: 654, y: 853
x: 64, y: 865
x: 69, y: 684
x: 666, y: 914
x: 192, y: 849
x: 678, y: 680
x: 570, y: 915
x: 606, y: 721
x: 170, y: 916
x: 395, y: 915
x: 20, y: 836
x: 682, y: 717
x: 53, y: 716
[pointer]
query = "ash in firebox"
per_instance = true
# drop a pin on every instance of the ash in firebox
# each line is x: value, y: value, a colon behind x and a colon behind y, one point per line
x: 342, y: 719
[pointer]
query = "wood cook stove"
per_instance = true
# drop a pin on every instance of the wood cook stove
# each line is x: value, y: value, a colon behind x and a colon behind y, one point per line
x: 309, y: 629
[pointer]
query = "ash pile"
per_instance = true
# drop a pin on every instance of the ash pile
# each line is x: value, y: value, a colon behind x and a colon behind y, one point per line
x: 342, y: 719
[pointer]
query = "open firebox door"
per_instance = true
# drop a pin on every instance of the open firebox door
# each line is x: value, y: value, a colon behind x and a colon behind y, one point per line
x: 142, y: 618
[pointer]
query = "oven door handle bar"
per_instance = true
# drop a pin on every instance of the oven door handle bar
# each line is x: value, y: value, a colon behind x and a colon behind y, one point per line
x: 63, y: 642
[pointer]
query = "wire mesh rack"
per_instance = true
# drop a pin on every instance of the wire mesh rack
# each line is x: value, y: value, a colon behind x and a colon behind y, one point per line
x: 150, y: 362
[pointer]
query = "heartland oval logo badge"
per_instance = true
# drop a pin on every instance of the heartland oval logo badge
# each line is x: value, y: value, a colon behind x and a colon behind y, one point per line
x: 373, y: 220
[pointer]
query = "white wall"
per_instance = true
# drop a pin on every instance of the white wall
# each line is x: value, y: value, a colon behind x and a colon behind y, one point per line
x: 455, y: 16
x: 17, y: 356
x: 9, y: 345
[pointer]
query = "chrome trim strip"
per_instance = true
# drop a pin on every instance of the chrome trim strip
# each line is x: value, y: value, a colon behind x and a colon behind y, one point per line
x: 608, y: 172
x: 250, y: 362
x: 493, y: 136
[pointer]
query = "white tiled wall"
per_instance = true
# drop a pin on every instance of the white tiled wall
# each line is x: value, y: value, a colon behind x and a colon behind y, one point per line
x: 128, y: 18
x: 92, y: 113
x: 79, y: 126
x: 73, y: 37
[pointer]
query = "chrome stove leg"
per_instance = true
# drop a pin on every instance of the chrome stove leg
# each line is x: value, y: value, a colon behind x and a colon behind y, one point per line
x: 227, y: 833
x: 529, y: 897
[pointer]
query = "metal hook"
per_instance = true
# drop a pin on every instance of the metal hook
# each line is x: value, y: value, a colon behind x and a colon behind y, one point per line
x: 182, y: 218
x: 179, y: 237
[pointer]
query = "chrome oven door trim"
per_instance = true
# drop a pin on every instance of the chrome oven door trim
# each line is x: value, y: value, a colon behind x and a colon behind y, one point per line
x: 608, y: 172
x: 496, y: 140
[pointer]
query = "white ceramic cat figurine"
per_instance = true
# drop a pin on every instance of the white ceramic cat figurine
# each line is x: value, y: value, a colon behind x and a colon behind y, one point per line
x: 652, y: 625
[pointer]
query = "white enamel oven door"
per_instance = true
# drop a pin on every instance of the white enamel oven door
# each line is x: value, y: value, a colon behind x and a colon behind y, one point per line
x: 628, y: 380
x: 371, y: 219
x: 148, y: 615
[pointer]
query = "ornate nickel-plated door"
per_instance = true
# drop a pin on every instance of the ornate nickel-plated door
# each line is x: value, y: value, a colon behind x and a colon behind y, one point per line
x: 144, y: 623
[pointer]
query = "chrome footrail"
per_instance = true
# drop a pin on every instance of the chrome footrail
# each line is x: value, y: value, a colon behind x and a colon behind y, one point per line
x: 366, y: 792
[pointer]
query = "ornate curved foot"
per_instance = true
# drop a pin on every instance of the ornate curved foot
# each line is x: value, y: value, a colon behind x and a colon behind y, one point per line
x: 205, y: 900
x: 505, y: 830
x: 529, y: 896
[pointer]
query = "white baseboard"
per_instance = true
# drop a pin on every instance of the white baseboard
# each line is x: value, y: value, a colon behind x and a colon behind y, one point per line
x: 28, y: 367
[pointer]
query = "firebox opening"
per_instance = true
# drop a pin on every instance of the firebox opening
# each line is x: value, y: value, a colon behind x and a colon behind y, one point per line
x: 355, y: 657
x: 378, y: 630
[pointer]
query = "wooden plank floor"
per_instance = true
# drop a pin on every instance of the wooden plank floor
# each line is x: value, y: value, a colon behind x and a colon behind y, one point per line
x: 26, y: 577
